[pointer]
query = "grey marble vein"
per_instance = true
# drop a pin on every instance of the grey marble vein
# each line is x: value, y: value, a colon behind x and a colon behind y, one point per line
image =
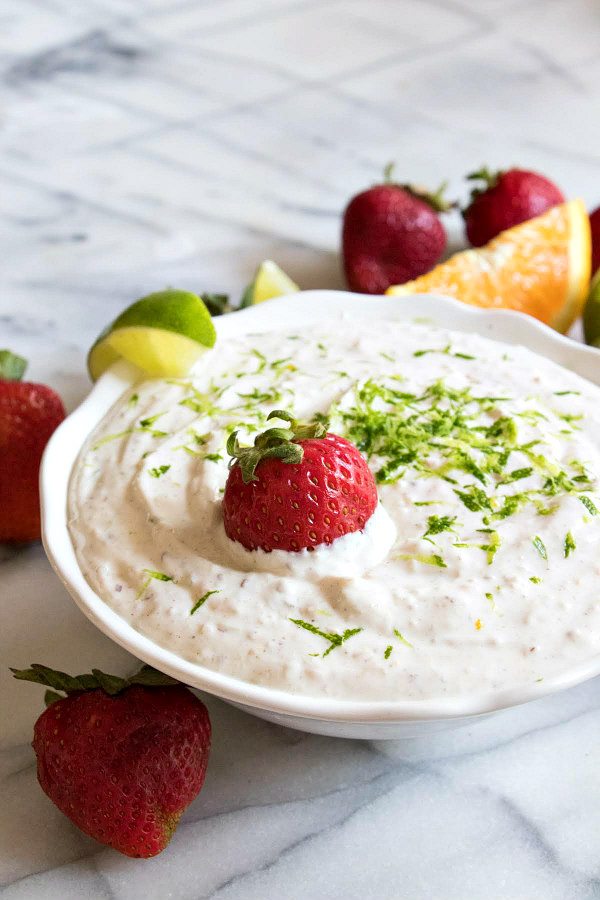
x: 92, y: 53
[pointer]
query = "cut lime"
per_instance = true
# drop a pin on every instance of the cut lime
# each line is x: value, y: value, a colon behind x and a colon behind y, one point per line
x: 591, y: 314
x: 270, y: 281
x: 163, y: 334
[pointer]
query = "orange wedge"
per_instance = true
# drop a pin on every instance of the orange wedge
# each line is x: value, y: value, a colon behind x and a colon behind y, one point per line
x: 541, y: 267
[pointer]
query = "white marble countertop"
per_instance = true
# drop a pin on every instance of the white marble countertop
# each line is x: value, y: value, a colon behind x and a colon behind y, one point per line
x: 154, y: 142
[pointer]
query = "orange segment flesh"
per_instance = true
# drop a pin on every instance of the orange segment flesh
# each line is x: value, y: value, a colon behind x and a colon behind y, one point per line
x: 541, y: 267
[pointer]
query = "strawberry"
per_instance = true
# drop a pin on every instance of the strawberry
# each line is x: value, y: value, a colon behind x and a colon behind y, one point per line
x: 121, y: 757
x: 595, y: 226
x: 29, y: 413
x: 296, y: 488
x: 506, y: 199
x: 391, y: 234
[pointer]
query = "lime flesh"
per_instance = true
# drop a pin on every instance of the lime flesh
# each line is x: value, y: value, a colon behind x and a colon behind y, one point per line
x: 163, y: 334
x: 591, y: 315
x: 269, y: 281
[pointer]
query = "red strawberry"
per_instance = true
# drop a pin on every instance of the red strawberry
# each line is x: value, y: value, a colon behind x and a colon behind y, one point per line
x: 122, y: 758
x: 29, y: 413
x: 506, y: 199
x: 391, y: 234
x: 595, y: 225
x: 296, y: 488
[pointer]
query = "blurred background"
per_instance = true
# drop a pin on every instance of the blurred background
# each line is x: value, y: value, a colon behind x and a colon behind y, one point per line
x: 161, y: 142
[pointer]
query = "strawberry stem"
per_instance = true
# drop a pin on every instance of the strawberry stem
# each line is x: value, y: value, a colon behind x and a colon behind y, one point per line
x: 434, y: 199
x: 486, y: 175
x: 12, y: 367
x: 274, y: 443
x: 388, y: 173
x: 490, y: 180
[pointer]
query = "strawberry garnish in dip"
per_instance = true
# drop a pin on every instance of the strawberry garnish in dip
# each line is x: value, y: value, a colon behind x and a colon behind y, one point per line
x: 296, y: 488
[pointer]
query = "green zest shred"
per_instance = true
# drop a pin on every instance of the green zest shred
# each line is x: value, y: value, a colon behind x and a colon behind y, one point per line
x: 402, y: 639
x: 491, y: 548
x: 540, y: 546
x: 158, y: 471
x: 445, y: 351
x: 159, y: 576
x: 144, y: 427
x: 152, y: 575
x: 146, y: 424
x: 201, y: 601
x: 335, y: 640
x: 459, y: 437
x: 591, y: 508
x: 438, y: 524
x: 433, y: 560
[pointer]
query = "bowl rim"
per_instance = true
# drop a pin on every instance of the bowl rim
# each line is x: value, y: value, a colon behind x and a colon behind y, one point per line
x: 304, y: 308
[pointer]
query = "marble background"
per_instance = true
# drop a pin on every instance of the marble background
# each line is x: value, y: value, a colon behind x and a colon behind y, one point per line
x: 154, y: 142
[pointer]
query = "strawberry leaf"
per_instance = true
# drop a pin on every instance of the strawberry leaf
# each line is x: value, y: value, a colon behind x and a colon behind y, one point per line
x: 51, y: 697
x: 217, y: 304
x: 149, y: 677
x: 95, y: 680
x: 12, y: 367
x: 490, y: 180
x: 110, y: 684
x: 434, y: 199
x: 486, y: 175
x: 274, y: 443
x: 53, y: 678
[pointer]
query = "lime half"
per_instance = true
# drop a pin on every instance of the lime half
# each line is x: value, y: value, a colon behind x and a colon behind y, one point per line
x: 591, y: 314
x: 269, y: 281
x: 163, y: 334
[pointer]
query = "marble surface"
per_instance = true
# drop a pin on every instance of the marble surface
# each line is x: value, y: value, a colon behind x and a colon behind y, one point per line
x: 154, y: 142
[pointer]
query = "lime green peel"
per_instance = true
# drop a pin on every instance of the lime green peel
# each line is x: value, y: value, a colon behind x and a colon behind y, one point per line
x: 269, y: 281
x: 163, y: 334
x: 591, y: 315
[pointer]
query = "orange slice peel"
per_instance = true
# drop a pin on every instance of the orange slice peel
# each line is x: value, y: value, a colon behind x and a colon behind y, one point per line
x: 541, y: 267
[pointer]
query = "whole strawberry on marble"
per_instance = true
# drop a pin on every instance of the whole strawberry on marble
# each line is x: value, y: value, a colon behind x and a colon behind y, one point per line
x: 296, y: 488
x: 121, y: 757
x: 29, y: 413
x: 502, y: 200
x: 391, y: 233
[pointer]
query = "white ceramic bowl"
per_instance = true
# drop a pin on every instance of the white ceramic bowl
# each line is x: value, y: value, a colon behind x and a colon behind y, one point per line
x: 402, y: 718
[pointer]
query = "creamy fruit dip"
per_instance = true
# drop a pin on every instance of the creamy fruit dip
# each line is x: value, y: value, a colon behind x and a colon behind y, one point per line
x: 479, y: 570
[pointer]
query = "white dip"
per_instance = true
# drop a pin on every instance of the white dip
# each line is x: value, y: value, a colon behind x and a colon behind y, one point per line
x: 487, y: 463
